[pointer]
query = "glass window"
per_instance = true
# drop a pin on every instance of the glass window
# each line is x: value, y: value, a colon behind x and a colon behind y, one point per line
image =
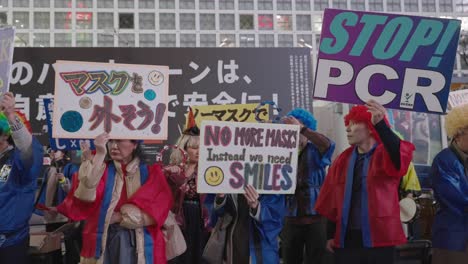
x: 266, y: 40
x: 339, y: 4
x: 284, y: 22
x: 41, y: 20
x: 125, y: 3
x: 126, y: 21
x: 227, y: 22
x: 317, y: 41
x: 166, y: 4
x: 41, y: 3
x: 187, y: 4
x: 461, y: 6
x: 84, y: 39
x: 246, y: 22
x: 21, y: 20
x: 445, y: 6
x: 146, y: 4
x: 207, y: 22
x: 285, y: 40
x: 105, y: 20
x: 247, y: 40
x: 61, y: 3
x: 126, y: 40
x: 317, y: 23
x: 411, y: 6
x: 147, y: 21
x: 84, y: 3
x: 63, y: 20
x: 41, y: 40
x: 303, y: 5
x: 320, y: 5
x: 20, y: 3
x: 227, y: 40
x: 188, y: 40
x: 3, y: 18
x: 226, y: 4
x: 167, y: 21
x: 207, y: 40
x: 283, y: 5
x: 358, y: 5
x: 84, y: 20
x: 63, y: 39
x: 303, y: 22
x: 376, y: 5
x: 394, y: 5
x: 265, y: 4
x: 21, y: 39
x: 105, y: 40
x: 147, y: 40
x: 265, y: 22
x: 167, y: 40
x: 246, y: 5
x: 105, y: 3
x: 304, y: 41
x: 187, y: 21
x: 206, y: 4
x: 428, y: 6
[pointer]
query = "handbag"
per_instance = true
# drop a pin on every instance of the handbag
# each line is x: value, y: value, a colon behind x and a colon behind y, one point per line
x: 175, y: 241
x: 215, y: 247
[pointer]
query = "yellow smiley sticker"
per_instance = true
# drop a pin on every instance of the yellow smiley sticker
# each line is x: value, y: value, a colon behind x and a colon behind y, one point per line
x: 214, y: 176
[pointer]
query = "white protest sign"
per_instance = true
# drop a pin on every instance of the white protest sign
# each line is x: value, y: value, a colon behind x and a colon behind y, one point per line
x: 125, y: 100
x: 233, y: 155
x: 458, y: 98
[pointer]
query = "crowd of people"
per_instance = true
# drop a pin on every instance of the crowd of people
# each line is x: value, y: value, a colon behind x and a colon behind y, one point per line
x: 346, y: 209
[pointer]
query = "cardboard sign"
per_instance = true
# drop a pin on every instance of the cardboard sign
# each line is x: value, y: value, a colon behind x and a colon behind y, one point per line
x: 230, y: 112
x: 233, y: 155
x: 127, y: 101
x: 403, y: 62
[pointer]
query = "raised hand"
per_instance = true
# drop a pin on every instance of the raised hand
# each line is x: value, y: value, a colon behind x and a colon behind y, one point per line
x: 377, y: 110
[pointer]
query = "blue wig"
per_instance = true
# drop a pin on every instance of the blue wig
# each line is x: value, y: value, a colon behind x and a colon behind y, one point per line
x: 305, y: 117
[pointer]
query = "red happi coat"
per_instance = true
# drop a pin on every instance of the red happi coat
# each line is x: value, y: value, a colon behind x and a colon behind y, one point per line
x: 381, y: 224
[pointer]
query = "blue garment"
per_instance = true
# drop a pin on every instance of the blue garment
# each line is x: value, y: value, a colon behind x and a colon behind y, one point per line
x: 17, y: 193
x: 263, y: 234
x: 68, y: 170
x: 309, y: 187
x: 450, y: 184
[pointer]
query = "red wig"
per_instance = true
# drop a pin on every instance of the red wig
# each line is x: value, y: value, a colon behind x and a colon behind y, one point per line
x: 360, y: 114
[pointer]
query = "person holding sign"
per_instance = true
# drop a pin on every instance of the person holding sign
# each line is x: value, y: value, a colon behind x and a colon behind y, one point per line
x: 257, y: 220
x: 449, y: 175
x: 303, y: 226
x: 20, y: 164
x: 124, y: 202
x: 360, y: 193
x: 189, y: 208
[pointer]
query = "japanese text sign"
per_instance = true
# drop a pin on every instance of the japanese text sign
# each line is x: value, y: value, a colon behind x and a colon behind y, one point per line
x: 403, y: 62
x: 458, y: 98
x: 60, y: 143
x: 127, y: 101
x: 7, y: 38
x: 230, y: 112
x: 234, y: 155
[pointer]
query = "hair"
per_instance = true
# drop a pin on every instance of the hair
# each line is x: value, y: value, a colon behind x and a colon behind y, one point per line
x: 360, y: 114
x: 456, y: 120
x: 305, y: 117
x: 184, y: 142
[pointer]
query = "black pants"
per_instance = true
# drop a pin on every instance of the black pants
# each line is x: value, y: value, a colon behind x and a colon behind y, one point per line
x: 295, y: 238
x: 355, y: 253
x: 16, y: 254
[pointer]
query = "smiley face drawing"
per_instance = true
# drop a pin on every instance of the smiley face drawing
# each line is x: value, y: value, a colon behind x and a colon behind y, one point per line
x: 155, y: 78
x: 214, y: 176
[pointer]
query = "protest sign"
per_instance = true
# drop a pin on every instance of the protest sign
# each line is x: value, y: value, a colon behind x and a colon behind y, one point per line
x: 458, y: 98
x: 230, y: 112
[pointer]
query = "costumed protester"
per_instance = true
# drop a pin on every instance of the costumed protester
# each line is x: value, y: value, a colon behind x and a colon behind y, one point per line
x: 360, y: 193
x: 255, y: 222
x: 303, y: 226
x: 124, y: 202
x: 449, y: 175
x: 20, y: 162
x: 189, y: 206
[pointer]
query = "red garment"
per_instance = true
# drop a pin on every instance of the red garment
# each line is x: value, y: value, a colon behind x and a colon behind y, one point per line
x: 382, y: 195
x: 153, y: 197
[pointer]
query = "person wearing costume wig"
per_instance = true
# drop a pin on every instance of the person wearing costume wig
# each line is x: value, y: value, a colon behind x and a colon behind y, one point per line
x: 360, y: 193
x: 449, y: 175
x: 303, y: 226
x: 20, y: 164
